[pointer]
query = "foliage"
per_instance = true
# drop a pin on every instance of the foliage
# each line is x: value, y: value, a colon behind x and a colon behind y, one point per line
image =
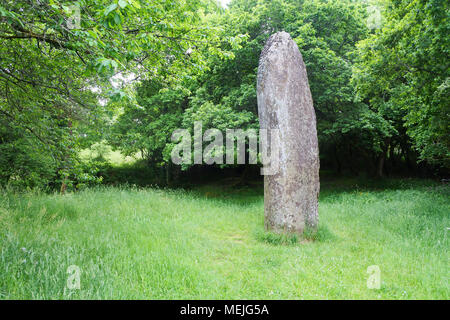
x: 74, y: 73
x: 402, y: 72
x: 225, y: 95
x: 146, y: 127
x: 22, y: 162
x: 58, y: 57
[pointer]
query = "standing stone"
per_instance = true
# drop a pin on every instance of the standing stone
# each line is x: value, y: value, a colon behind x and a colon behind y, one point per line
x: 285, y: 103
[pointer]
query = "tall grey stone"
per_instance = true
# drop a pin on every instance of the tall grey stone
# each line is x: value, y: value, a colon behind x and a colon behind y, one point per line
x: 285, y: 103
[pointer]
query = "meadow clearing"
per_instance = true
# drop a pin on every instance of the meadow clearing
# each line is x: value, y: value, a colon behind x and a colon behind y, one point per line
x: 209, y: 243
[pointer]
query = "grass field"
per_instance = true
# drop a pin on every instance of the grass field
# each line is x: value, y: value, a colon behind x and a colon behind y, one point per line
x: 209, y: 243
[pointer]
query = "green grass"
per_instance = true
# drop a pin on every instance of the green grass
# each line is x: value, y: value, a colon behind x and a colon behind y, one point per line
x: 210, y: 243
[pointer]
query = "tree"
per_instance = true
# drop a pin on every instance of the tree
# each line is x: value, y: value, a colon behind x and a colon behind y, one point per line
x: 57, y: 58
x: 146, y: 126
x: 326, y: 32
x: 402, y: 74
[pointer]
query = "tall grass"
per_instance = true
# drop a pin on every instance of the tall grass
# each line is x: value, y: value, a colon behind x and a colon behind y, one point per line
x: 210, y: 243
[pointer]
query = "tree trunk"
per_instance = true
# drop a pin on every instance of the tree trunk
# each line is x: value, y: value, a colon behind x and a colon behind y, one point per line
x: 380, y: 165
x: 382, y: 159
x: 338, y: 161
x: 167, y: 174
x: 66, y: 160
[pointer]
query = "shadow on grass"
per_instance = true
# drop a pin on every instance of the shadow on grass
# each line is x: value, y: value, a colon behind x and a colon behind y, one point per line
x: 252, y: 192
x: 333, y: 184
x: 242, y: 191
x: 323, y: 234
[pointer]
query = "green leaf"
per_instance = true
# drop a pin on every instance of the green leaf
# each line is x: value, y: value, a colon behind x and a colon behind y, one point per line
x: 111, y: 8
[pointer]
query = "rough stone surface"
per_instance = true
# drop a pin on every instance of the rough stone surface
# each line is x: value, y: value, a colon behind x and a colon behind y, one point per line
x: 285, y: 103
